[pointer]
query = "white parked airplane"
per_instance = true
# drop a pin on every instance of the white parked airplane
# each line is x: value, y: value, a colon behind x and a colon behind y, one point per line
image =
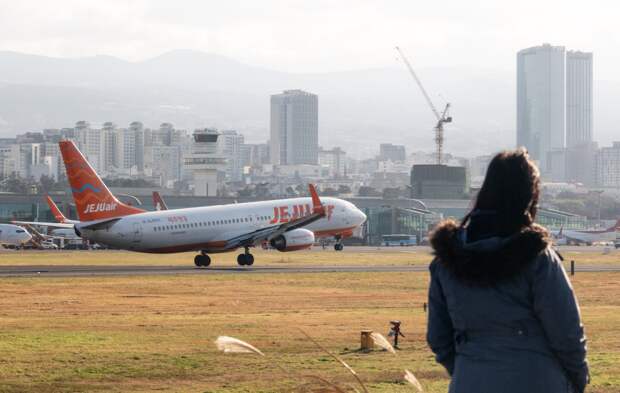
x: 286, y: 224
x: 568, y: 236
x: 14, y: 235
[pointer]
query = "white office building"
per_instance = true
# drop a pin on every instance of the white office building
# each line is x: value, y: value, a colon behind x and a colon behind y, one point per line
x: 335, y: 160
x: 231, y: 147
x: 294, y: 128
x: 608, y: 166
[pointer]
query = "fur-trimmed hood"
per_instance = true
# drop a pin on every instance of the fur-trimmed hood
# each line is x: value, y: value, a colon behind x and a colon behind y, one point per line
x: 487, y: 259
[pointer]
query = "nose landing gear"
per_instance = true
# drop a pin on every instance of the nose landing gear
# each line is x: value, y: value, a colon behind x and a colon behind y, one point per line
x: 202, y: 260
x: 245, y: 259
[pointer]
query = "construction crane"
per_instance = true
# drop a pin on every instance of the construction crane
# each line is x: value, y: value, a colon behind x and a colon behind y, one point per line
x: 441, y: 117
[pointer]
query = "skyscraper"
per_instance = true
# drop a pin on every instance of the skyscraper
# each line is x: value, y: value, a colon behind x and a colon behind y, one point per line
x: 578, y: 98
x: 294, y: 128
x: 554, y: 107
x: 231, y: 143
x: 541, y: 105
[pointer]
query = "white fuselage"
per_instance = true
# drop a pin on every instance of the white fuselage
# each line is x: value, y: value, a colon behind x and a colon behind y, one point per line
x: 13, y: 235
x: 208, y: 228
x: 589, y: 237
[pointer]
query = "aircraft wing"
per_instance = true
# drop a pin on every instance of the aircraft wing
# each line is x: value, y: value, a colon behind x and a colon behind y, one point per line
x: 45, y: 224
x: 268, y: 233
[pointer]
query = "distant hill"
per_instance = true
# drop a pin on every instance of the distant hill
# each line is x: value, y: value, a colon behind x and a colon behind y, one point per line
x: 357, y: 109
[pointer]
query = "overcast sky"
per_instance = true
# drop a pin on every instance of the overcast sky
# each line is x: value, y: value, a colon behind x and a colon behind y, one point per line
x: 316, y: 35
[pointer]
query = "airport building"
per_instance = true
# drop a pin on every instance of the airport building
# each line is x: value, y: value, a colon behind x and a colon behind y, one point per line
x: 204, y: 162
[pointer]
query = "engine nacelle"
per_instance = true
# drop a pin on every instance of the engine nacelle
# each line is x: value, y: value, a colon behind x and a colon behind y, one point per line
x: 297, y: 239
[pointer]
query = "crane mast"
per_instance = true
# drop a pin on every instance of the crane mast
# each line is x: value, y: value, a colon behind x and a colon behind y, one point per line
x: 441, y: 118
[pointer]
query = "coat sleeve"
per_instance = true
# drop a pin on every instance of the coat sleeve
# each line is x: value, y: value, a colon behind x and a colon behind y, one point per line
x: 440, y: 333
x: 556, y: 307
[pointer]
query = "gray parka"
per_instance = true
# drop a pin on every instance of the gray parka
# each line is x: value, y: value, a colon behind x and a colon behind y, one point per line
x: 503, y: 316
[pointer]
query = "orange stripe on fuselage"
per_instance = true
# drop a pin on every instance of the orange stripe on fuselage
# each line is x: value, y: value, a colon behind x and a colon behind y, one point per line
x: 218, y: 245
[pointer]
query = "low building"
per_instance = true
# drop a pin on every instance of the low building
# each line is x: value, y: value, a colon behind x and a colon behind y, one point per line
x: 439, y: 182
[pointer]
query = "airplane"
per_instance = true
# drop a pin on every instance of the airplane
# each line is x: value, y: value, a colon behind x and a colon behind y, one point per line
x: 286, y: 224
x: 14, y: 235
x: 567, y: 236
x: 160, y: 204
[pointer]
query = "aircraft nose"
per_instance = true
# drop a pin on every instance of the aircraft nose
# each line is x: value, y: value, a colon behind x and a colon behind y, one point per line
x: 360, y: 217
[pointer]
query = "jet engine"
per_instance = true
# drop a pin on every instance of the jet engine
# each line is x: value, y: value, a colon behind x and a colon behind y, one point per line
x: 297, y: 239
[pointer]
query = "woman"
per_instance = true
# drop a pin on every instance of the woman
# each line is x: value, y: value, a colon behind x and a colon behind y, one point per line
x: 502, y: 313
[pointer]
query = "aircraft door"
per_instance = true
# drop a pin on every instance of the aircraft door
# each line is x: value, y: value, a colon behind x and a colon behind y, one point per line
x: 137, y: 232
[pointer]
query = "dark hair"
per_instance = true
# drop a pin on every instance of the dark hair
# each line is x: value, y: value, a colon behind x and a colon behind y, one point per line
x: 511, y: 189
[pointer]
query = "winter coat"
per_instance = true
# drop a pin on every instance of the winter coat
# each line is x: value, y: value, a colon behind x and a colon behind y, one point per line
x: 502, y: 314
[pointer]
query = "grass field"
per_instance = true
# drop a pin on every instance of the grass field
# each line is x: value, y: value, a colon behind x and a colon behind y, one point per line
x: 314, y: 257
x: 156, y: 333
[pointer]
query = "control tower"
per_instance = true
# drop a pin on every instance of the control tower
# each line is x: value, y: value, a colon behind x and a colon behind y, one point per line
x: 204, y: 161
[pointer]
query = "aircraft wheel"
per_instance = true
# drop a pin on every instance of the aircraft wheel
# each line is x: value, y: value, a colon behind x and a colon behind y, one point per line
x: 202, y: 260
x: 249, y: 259
x: 241, y: 260
x: 338, y: 247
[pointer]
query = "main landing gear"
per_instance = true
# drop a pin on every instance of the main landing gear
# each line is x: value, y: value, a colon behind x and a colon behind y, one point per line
x: 202, y: 260
x: 338, y: 246
x: 245, y: 259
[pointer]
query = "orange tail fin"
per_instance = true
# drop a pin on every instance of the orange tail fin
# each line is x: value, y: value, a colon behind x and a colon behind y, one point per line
x: 55, y: 210
x: 93, y: 200
x: 158, y: 202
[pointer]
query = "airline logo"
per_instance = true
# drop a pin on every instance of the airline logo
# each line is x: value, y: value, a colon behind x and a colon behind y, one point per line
x: 85, y: 187
x: 282, y: 214
x: 100, y: 207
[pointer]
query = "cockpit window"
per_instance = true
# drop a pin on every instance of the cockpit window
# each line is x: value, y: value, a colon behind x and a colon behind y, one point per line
x: 20, y: 231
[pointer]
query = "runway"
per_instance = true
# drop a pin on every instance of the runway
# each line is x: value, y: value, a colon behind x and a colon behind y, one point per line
x: 116, y: 270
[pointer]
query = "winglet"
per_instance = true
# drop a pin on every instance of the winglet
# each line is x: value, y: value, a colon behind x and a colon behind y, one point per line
x: 55, y: 210
x: 317, y: 206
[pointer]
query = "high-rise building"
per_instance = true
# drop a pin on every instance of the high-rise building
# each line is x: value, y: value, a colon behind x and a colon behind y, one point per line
x: 541, y: 109
x: 608, y: 166
x: 578, y: 98
x: 255, y: 155
x: 390, y: 152
x: 294, y: 128
x: 554, y: 108
x: 231, y: 143
x: 92, y: 144
x: 137, y: 129
x: 335, y: 160
x: 163, y: 162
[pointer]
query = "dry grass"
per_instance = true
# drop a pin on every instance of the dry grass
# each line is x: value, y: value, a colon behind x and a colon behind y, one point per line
x: 314, y: 257
x: 152, y: 333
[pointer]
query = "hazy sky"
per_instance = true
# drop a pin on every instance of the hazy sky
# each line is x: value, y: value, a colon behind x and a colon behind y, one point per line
x: 316, y: 35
